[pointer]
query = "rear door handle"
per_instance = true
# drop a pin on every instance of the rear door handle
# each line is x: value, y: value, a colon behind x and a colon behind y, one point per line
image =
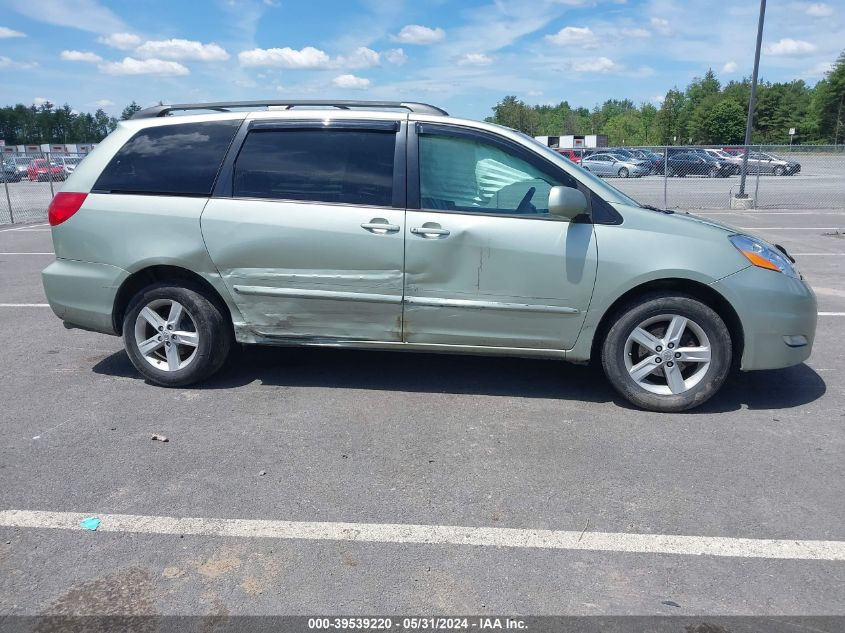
x: 379, y: 226
x: 430, y: 231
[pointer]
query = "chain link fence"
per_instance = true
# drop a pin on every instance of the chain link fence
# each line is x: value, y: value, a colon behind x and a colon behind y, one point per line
x: 777, y: 177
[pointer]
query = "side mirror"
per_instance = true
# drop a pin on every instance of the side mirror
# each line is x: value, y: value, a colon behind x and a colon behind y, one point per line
x: 566, y: 202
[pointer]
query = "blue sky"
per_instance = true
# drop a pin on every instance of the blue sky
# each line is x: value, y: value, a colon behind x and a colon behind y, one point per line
x: 463, y: 55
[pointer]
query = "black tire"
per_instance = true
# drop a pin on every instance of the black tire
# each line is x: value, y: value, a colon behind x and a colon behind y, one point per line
x: 210, y: 322
x: 629, y: 318
x: 779, y: 171
x: 713, y: 173
x: 623, y: 172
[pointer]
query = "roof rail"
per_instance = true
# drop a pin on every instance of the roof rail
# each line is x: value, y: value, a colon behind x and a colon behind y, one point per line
x: 225, y: 106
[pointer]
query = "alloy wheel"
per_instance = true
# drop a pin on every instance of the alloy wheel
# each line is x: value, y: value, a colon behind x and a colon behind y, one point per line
x: 667, y: 354
x: 166, y: 335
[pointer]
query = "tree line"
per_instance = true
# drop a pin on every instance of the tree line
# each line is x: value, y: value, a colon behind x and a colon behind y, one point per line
x: 31, y: 125
x: 706, y: 112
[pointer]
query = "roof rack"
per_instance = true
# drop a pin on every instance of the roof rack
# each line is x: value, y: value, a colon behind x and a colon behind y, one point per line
x: 225, y: 106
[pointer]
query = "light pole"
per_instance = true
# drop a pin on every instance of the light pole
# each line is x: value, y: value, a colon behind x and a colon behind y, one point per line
x: 751, y: 101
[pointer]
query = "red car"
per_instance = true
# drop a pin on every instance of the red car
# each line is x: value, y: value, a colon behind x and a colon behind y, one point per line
x: 571, y: 154
x: 42, y: 169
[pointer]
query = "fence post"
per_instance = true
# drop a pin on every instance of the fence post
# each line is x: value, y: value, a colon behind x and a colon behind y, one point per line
x: 9, y: 201
x: 50, y: 173
x: 757, y: 182
x: 665, y: 176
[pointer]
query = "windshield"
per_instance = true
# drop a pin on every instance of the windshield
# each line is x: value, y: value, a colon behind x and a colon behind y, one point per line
x: 606, y: 191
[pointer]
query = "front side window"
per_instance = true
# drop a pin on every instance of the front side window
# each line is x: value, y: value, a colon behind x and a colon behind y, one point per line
x: 342, y: 166
x: 466, y: 174
x: 181, y: 159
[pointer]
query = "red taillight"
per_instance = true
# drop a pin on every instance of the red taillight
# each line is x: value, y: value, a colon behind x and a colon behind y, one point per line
x: 63, y: 206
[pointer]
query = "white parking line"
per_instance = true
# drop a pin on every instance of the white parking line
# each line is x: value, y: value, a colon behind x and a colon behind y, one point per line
x: 820, y: 254
x: 792, y: 228
x: 792, y: 549
x: 50, y: 253
x: 26, y: 227
x: 831, y: 313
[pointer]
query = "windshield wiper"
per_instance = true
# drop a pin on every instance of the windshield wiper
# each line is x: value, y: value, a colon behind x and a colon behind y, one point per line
x: 651, y: 207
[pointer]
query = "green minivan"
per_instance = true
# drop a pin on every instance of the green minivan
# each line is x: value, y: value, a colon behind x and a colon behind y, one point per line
x: 393, y: 226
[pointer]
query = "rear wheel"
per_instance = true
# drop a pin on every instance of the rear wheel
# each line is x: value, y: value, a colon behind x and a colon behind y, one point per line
x: 623, y: 172
x: 713, y: 172
x: 667, y: 353
x: 175, y: 336
x: 779, y: 170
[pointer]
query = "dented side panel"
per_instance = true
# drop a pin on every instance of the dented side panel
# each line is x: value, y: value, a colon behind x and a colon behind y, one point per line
x: 497, y: 281
x: 309, y: 271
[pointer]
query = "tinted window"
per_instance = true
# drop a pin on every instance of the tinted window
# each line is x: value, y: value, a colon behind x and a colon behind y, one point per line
x: 346, y: 166
x: 169, y: 159
x: 464, y: 174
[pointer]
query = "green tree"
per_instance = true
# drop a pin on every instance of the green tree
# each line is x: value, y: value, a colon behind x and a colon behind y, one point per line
x: 129, y: 110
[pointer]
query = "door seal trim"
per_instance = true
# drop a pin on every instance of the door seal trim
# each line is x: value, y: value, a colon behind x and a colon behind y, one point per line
x: 334, y: 295
x: 488, y: 305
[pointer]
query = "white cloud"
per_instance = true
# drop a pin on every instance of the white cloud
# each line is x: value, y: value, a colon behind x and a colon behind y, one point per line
x: 661, y: 25
x: 729, y: 67
x: 85, y: 15
x: 819, y: 70
x: 638, y: 33
x: 573, y: 36
x: 6, y: 32
x: 474, y: 59
x: 659, y: 98
x: 40, y: 101
x: 104, y: 103
x: 132, y: 66
x: 593, y: 65
x: 361, y: 57
x: 8, y: 62
x: 788, y: 47
x: 819, y: 10
x: 417, y: 34
x: 182, y: 49
x: 351, y: 81
x: 123, y: 41
x: 535, y: 93
x: 307, y: 58
x: 80, y: 56
x: 396, y: 56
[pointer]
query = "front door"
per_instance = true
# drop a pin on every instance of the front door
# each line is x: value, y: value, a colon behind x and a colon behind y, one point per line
x: 485, y: 263
x: 309, y: 239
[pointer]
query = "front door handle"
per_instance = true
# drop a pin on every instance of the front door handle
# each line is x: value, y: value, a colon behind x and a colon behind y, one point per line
x: 430, y: 230
x: 380, y: 226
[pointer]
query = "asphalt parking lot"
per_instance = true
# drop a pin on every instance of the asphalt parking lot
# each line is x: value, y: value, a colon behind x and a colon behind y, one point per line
x: 352, y: 444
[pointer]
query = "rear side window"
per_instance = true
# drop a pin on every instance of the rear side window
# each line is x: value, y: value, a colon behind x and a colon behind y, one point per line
x: 180, y: 160
x: 344, y: 166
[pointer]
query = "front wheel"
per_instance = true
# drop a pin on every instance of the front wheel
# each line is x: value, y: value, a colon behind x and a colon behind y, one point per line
x: 176, y: 336
x: 779, y: 171
x: 623, y: 173
x: 667, y: 353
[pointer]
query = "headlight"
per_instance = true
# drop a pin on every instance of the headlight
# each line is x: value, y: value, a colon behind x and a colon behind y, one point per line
x: 764, y: 255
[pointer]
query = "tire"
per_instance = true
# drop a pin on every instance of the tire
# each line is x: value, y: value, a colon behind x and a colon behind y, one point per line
x: 201, y: 335
x: 693, y: 382
x: 713, y: 173
x: 623, y: 172
x: 779, y: 171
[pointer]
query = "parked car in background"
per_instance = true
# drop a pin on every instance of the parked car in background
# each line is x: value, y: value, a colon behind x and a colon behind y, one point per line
x: 653, y: 159
x: 734, y: 161
x: 9, y: 172
x: 766, y: 163
x: 698, y: 164
x: 42, y: 169
x: 614, y: 165
x: 571, y: 154
x: 68, y: 164
x: 20, y: 163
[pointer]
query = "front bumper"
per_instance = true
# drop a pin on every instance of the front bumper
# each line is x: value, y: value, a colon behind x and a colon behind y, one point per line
x: 778, y: 315
x: 82, y: 293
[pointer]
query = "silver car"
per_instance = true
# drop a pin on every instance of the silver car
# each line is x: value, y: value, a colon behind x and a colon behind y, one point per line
x: 606, y: 164
x: 406, y: 230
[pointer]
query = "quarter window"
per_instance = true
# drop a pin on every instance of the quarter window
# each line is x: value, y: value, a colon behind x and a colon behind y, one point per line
x: 178, y: 159
x: 344, y: 166
x: 464, y: 174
